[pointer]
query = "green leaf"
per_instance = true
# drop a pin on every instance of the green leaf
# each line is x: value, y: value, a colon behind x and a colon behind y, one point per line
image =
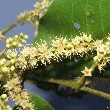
x: 71, y: 17
x: 68, y: 17
x: 40, y: 103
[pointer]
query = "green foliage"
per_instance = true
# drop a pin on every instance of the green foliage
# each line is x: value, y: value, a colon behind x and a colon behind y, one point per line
x: 65, y: 18
x: 40, y: 104
x: 62, y: 17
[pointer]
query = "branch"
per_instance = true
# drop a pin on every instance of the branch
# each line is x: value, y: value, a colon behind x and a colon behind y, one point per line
x: 8, y: 28
x: 2, y: 53
x: 73, y: 85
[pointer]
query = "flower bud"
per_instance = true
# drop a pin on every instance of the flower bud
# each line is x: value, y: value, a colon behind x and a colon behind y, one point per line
x: 7, y: 41
x: 21, y: 34
x: 19, y: 45
x: 12, y: 68
x: 12, y: 61
x: 10, y: 40
x: 24, y: 41
x: 13, y: 55
x: 2, y: 62
x: 16, y: 37
x: 25, y: 36
x: 8, y: 107
x: 5, y: 69
x: 69, y: 46
x: 8, y: 45
x: 14, y: 44
x: 3, y: 96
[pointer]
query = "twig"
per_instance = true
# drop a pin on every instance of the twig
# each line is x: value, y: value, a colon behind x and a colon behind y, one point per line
x: 8, y: 28
x: 73, y: 85
x: 2, y: 52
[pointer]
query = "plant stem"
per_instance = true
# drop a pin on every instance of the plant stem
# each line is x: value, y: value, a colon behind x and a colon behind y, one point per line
x: 11, y: 26
x: 96, y: 92
x: 2, y: 52
x: 73, y: 85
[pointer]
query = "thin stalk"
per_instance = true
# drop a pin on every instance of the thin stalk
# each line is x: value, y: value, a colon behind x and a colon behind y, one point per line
x: 2, y: 52
x: 11, y: 26
x: 73, y: 85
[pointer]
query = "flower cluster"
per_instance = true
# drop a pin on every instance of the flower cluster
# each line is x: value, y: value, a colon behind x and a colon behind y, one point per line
x: 9, y: 58
x: 8, y: 62
x: 3, y: 99
x: 18, y: 94
x: 58, y: 49
x: 103, y: 53
x: 62, y: 48
x: 33, y: 16
x: 3, y: 68
x: 29, y: 56
x: 15, y: 41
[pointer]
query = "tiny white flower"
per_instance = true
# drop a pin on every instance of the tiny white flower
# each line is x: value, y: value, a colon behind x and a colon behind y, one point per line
x: 5, y: 69
x: 98, y: 42
x: 108, y: 38
x: 13, y: 54
x: 100, y: 66
x: 8, y: 45
x: 12, y: 68
x: 87, y: 72
x: 88, y: 38
x: 75, y: 41
x: 99, y: 57
x: 2, y: 61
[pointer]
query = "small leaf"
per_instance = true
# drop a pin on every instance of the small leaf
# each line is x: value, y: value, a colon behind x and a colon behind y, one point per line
x: 40, y: 103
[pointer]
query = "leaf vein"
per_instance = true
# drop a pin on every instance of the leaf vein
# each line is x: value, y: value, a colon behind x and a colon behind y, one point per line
x: 101, y: 16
